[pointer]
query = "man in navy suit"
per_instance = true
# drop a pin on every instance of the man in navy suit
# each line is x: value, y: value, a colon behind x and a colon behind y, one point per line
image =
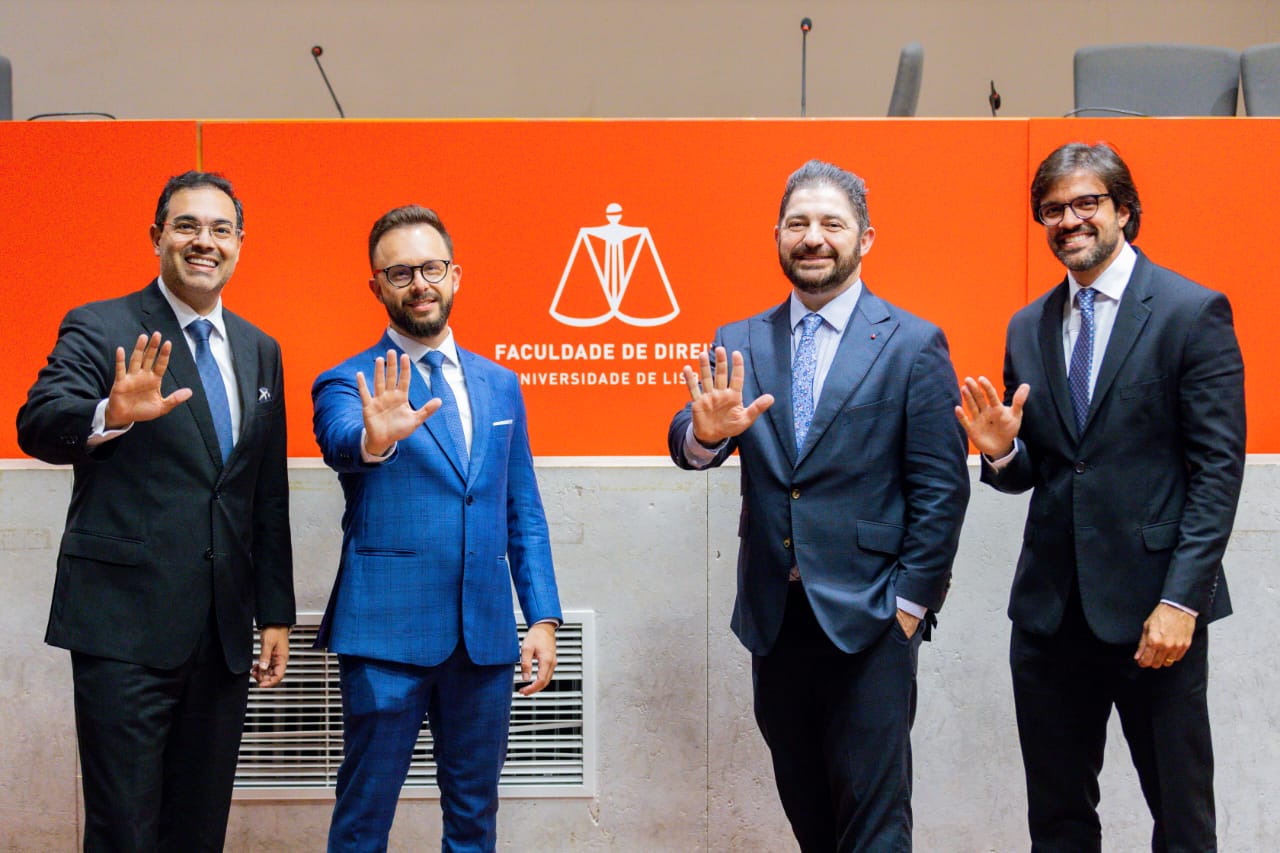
x: 177, y: 537
x: 1124, y: 413
x: 443, y: 516
x: 854, y: 487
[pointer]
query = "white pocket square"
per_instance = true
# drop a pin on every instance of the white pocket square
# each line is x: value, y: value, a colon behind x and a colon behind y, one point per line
x: 507, y: 422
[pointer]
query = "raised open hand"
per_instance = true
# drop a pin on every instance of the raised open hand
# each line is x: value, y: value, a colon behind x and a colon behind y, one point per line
x: 992, y: 426
x: 718, y: 412
x: 135, y: 394
x: 388, y: 417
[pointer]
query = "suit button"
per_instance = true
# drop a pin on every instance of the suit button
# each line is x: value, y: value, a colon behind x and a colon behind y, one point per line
x: 1080, y: 467
x: 470, y: 500
x: 786, y: 543
x: 795, y: 494
x: 208, y: 554
x: 217, y: 496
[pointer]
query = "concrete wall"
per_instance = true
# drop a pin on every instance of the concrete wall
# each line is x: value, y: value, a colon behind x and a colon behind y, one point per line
x: 681, y: 766
x: 143, y: 59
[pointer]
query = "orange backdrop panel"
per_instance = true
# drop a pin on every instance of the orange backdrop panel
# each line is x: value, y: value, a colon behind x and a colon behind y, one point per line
x: 516, y: 196
x: 1209, y: 190
x: 76, y: 199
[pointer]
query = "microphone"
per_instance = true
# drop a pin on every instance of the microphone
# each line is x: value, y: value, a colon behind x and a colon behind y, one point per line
x: 316, y: 53
x: 994, y: 99
x: 806, y: 24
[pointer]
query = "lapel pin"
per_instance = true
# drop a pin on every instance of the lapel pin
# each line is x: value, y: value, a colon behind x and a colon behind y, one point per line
x: 264, y: 395
x: 873, y: 337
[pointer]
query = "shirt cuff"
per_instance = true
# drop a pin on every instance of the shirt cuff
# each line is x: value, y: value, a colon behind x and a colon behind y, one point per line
x: 999, y: 464
x: 911, y: 607
x: 367, y: 457
x: 98, y: 432
x: 1180, y: 607
x: 698, y: 454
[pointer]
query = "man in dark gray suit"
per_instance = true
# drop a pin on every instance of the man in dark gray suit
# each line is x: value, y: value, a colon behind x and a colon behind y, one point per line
x: 1124, y: 413
x: 854, y: 487
x: 177, y: 537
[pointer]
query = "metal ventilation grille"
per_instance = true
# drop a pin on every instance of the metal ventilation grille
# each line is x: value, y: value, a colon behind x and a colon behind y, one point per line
x: 292, y: 744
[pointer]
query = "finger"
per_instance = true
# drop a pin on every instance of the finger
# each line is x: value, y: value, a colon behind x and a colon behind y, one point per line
x: 177, y: 398
x: 969, y: 402
x: 990, y: 395
x: 161, y: 364
x: 139, y: 350
x: 736, y: 375
x: 379, y: 376
x: 363, y: 388
x: 691, y: 381
x: 722, y: 368
x: 963, y: 418
x: 758, y: 406
x: 704, y: 367
x: 1020, y: 398
x: 432, y: 406
x: 120, y: 368
x: 406, y: 364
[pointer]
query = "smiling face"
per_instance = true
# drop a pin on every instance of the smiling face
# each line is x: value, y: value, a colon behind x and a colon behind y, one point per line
x: 1085, y: 246
x: 821, y: 243
x: 420, y: 310
x: 196, y: 268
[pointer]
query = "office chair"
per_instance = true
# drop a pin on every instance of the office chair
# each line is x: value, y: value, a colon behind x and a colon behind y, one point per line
x: 1156, y: 80
x: 906, y: 85
x: 1260, y: 75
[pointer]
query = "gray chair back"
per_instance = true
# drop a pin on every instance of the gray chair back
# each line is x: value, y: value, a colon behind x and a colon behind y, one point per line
x: 1260, y: 74
x: 6, y: 90
x: 906, y: 85
x: 1156, y: 80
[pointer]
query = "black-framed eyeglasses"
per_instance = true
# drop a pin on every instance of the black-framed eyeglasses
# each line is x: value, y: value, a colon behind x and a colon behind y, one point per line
x: 190, y: 228
x: 401, y: 275
x: 1084, y: 207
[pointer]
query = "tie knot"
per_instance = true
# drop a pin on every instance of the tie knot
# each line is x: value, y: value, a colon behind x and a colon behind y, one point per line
x: 434, y: 358
x: 200, y: 330
x: 1085, y: 297
x: 811, y: 322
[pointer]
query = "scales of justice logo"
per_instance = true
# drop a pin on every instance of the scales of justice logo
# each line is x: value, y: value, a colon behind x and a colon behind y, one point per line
x: 614, y: 271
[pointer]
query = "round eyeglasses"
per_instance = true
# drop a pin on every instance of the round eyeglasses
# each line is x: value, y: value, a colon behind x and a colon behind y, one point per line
x: 1084, y: 207
x: 401, y: 275
x: 189, y: 228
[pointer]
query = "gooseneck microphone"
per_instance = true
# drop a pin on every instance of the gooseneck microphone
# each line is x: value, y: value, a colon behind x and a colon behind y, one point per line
x: 316, y: 52
x: 806, y: 24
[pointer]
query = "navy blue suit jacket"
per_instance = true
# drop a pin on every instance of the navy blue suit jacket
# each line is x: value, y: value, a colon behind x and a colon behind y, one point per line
x: 1140, y: 505
x: 429, y: 553
x: 870, y: 507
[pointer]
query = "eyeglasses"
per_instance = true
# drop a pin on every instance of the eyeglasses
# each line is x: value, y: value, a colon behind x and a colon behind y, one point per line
x: 189, y: 228
x: 401, y: 275
x: 1084, y: 207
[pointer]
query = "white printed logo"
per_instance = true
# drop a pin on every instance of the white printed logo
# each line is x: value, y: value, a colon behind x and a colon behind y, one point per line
x: 607, y: 247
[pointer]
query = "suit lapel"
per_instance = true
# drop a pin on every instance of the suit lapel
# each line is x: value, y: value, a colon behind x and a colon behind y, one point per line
x: 1051, y: 353
x: 865, y: 337
x: 157, y: 316
x: 1131, y: 317
x: 770, y: 347
x: 244, y: 360
x: 480, y: 396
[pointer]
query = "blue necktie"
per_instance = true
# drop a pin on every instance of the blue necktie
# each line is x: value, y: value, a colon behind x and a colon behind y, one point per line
x: 214, y: 389
x: 803, y: 368
x: 449, y: 405
x: 1082, y: 359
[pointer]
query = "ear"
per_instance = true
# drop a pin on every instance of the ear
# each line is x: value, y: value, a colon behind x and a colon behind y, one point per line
x: 155, y: 231
x: 455, y: 272
x: 868, y: 237
x: 375, y: 288
x: 1122, y: 215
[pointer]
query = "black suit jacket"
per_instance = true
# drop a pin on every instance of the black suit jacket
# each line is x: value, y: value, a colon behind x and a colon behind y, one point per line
x: 1139, y: 505
x: 158, y: 530
x: 871, y: 506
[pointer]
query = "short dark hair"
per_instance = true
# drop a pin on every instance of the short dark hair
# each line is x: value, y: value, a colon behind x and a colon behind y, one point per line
x: 193, y: 180
x: 1099, y: 159
x: 817, y: 173
x: 403, y: 217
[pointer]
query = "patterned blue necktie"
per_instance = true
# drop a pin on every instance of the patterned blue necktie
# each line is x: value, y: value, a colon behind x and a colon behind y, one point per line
x: 214, y: 389
x: 803, y: 367
x: 449, y: 405
x: 1082, y: 359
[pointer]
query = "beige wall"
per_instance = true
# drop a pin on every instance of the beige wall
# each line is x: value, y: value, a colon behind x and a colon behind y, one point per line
x: 144, y: 59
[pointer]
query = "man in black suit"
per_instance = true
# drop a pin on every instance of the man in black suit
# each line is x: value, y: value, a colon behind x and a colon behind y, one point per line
x: 177, y: 537
x: 1124, y: 412
x: 854, y: 487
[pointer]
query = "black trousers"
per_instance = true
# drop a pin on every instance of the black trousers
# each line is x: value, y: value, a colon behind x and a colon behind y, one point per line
x: 1064, y: 688
x: 838, y: 728
x: 158, y: 750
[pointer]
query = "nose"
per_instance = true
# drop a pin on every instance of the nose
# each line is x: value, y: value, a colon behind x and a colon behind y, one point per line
x: 1069, y: 211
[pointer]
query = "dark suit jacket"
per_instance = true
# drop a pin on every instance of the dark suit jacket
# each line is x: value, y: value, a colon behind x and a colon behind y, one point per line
x: 870, y: 507
x: 430, y: 553
x: 158, y: 530
x: 1141, y: 504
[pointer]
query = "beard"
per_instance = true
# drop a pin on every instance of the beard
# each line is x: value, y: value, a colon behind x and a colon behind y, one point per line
x: 404, y: 320
x: 1076, y: 262
x: 845, y: 266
